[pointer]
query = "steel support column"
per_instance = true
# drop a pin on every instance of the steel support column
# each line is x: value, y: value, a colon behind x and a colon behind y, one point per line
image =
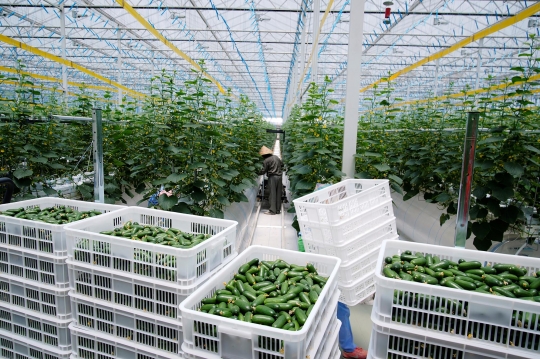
x: 352, y: 96
x: 316, y: 20
x: 119, y: 33
x: 97, y: 137
x: 63, y: 44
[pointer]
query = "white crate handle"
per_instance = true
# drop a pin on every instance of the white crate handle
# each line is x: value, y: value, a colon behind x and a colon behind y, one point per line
x: 235, y: 332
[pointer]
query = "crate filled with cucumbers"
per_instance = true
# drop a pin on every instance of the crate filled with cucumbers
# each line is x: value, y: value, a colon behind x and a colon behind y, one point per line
x: 265, y: 300
x: 38, y: 224
x: 154, y: 245
x: 477, y: 297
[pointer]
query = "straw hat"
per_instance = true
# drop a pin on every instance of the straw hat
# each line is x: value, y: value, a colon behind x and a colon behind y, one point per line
x: 265, y: 151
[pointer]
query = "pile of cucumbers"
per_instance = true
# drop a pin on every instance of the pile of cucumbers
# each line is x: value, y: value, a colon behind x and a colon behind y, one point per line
x: 276, y: 294
x: 51, y: 215
x: 506, y: 280
x: 157, y: 235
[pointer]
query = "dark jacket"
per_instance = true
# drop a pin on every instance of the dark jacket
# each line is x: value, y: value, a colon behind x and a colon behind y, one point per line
x: 272, y: 166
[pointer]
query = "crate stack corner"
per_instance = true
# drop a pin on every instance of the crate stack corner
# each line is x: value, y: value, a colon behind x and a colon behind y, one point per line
x: 349, y: 220
x: 472, y: 324
x: 214, y: 337
x: 35, y: 308
x: 126, y: 294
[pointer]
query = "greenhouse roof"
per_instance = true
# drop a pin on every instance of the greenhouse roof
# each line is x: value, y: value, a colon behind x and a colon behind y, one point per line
x: 264, y: 49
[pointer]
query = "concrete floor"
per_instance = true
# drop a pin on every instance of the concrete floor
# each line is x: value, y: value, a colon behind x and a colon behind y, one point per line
x: 277, y: 231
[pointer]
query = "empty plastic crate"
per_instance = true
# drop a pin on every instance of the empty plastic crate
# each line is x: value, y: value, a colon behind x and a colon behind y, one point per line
x: 29, y: 327
x: 330, y: 342
x: 38, y: 236
x: 359, y: 291
x: 341, y: 201
x: 353, y: 249
x: 481, y: 320
x: 211, y: 336
x: 41, y: 299
x: 362, y: 266
x: 43, y: 269
x: 154, y: 261
x: 148, y: 330
x: 133, y: 294
x: 13, y: 348
x: 98, y: 345
x: 350, y: 229
x: 389, y: 343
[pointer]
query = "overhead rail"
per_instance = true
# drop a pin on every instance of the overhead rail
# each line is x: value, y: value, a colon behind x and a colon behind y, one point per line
x: 315, y: 44
x: 53, y: 79
x: 167, y: 43
x: 8, y: 40
x: 466, y: 93
x: 525, y: 13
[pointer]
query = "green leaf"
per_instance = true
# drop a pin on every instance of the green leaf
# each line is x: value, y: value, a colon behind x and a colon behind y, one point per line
x: 304, y: 170
x: 181, y: 207
x: 510, y: 214
x: 224, y: 201
x: 372, y: 154
x: 503, y: 194
x: 484, y: 165
x: 473, y: 212
x: 21, y: 173
x: 396, y: 179
x: 49, y: 191
x: 480, y: 192
x: 444, y: 217
x: 499, y: 225
x: 491, y: 140
x: 443, y: 197
x: 515, y: 169
x: 304, y: 185
x: 313, y: 140
x: 57, y: 166
x: 38, y: 159
x: 198, y: 195
x: 216, y: 213
x: 167, y: 203
x: 480, y: 230
x: 531, y: 148
x: 176, y: 177
x: 396, y: 188
x: 381, y: 167
x: 482, y: 244
x: 218, y: 182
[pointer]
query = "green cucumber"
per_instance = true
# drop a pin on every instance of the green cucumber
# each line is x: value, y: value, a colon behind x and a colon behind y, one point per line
x: 503, y: 292
x: 263, y: 319
x: 464, y: 266
x: 264, y: 310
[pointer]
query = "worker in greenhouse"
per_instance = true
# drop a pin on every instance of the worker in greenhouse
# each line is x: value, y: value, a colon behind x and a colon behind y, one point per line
x: 346, y: 341
x: 273, y: 168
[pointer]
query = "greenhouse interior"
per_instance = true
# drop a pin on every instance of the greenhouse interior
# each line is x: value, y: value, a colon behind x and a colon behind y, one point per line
x: 270, y: 179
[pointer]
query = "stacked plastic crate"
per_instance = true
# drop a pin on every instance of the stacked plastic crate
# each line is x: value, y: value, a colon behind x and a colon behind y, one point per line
x: 214, y: 337
x: 125, y: 294
x: 349, y: 220
x: 35, y: 309
x: 417, y: 320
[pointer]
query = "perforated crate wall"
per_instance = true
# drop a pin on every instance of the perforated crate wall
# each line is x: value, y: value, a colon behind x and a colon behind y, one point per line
x: 153, y: 261
x: 148, y: 331
x: 470, y: 317
x: 41, y: 269
x: 38, y: 236
x: 16, y: 349
x: 362, y: 266
x: 41, y: 299
x: 97, y: 345
x: 39, y: 329
x: 358, y: 291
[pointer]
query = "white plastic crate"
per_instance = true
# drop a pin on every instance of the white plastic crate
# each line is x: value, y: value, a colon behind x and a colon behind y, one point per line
x: 330, y: 342
x: 363, y: 265
x: 38, y: 236
x: 388, y: 343
x: 349, y: 230
x: 479, y: 320
x: 41, y: 299
x: 341, y: 201
x: 148, y: 330
x: 97, y: 345
x: 359, y: 291
x: 29, y: 327
x: 146, y: 260
x: 350, y: 251
x: 215, y: 337
x: 43, y: 269
x: 13, y: 348
x: 128, y: 293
